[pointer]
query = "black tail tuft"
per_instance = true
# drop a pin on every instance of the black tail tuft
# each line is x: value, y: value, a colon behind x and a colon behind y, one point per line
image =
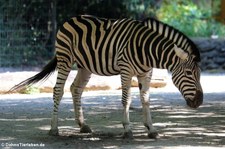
x: 43, y: 75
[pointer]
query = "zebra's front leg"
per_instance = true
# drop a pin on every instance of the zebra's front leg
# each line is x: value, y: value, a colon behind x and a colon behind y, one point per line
x: 77, y: 88
x: 144, y: 81
x: 126, y: 101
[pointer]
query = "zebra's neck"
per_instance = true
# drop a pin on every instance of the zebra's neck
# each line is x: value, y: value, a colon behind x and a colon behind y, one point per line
x: 148, y: 47
x: 151, y: 50
x: 162, y: 40
x: 179, y: 38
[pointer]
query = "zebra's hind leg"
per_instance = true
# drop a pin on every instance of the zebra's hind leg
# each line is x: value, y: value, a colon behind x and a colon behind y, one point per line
x: 77, y: 88
x: 57, y: 96
x: 126, y: 101
x: 144, y: 81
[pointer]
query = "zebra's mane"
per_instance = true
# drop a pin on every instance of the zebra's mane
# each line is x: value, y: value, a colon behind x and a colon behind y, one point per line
x: 194, y: 48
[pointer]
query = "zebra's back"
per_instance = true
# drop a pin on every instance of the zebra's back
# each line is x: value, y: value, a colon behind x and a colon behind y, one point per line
x: 93, y: 43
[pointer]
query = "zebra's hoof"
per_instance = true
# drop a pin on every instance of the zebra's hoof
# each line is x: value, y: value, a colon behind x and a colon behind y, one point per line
x: 153, y: 135
x: 128, y: 135
x: 85, y: 129
x: 53, y: 132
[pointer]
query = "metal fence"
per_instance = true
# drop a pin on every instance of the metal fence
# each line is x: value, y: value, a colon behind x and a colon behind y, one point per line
x: 26, y: 38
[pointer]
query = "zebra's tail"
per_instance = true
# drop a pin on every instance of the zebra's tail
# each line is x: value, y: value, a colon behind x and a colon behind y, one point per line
x: 43, y: 75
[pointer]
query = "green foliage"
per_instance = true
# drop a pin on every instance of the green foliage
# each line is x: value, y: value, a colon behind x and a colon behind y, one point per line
x: 140, y: 9
x: 190, y: 18
x: 30, y: 90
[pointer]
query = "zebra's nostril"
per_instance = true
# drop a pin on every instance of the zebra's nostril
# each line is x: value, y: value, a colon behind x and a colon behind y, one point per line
x: 197, y: 100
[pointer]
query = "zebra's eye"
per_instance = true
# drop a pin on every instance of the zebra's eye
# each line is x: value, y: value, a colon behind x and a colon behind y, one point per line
x: 189, y: 72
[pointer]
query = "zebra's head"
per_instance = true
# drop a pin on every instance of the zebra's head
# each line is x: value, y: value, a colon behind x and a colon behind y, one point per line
x: 186, y: 77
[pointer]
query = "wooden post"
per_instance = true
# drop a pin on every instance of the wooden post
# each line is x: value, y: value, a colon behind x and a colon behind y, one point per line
x: 222, y: 11
x: 221, y: 16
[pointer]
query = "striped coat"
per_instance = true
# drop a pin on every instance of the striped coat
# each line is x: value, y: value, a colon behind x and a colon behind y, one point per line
x: 127, y: 47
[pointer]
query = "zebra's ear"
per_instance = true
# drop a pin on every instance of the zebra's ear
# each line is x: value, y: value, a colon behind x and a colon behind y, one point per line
x: 180, y: 53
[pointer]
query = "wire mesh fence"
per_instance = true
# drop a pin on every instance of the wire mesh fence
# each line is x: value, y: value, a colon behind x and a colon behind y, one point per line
x: 26, y: 38
x: 27, y: 27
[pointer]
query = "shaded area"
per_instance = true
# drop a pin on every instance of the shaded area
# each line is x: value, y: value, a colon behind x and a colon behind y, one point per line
x: 25, y: 119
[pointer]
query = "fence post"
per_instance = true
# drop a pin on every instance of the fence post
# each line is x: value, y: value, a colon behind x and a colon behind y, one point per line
x: 54, y: 23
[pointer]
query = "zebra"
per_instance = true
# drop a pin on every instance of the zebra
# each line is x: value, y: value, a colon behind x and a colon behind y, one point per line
x: 124, y: 47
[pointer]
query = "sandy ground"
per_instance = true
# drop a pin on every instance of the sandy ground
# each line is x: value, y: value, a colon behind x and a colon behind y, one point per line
x: 10, y: 78
x: 25, y: 120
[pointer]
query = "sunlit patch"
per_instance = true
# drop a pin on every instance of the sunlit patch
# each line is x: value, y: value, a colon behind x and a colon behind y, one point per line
x: 45, y: 127
x: 179, y: 132
x: 24, y: 119
x: 119, y: 125
x: 110, y: 147
x: 7, y: 138
x: 69, y: 131
x: 166, y: 124
x: 192, y: 115
x: 184, y: 130
x: 211, y: 134
x: 91, y: 139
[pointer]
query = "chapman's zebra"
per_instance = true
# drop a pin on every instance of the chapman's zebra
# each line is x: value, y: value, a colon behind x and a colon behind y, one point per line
x: 126, y: 47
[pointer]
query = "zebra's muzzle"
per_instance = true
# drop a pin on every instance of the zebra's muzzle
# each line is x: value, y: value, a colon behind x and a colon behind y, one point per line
x: 196, y: 101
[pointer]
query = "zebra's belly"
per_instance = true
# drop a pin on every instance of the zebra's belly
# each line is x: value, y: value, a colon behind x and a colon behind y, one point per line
x: 101, y: 60
x: 107, y: 74
x: 105, y: 68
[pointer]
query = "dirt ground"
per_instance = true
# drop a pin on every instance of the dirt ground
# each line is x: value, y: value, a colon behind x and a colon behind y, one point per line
x: 25, y: 120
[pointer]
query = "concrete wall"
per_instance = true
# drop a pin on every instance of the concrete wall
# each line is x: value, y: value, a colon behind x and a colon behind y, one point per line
x: 212, y: 54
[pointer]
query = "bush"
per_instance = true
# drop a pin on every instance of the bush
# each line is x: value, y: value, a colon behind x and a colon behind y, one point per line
x: 191, y: 19
x: 30, y: 90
